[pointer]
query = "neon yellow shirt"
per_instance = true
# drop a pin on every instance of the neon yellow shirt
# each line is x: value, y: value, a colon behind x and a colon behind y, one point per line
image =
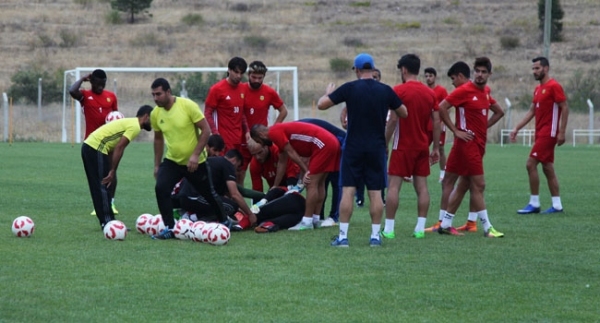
x: 106, y: 138
x: 178, y: 126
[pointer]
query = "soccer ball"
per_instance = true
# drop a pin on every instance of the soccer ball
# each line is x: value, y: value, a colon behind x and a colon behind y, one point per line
x: 115, y: 230
x: 219, y: 235
x: 155, y: 225
x: 141, y: 224
x: 196, y: 231
x: 182, y: 229
x: 114, y: 115
x: 206, y: 230
x: 23, y: 226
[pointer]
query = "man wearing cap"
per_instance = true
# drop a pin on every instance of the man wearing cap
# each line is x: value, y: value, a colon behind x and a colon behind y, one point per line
x: 363, y: 153
x: 96, y: 104
x: 101, y: 153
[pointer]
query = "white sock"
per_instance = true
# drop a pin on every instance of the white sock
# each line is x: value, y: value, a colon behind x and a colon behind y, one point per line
x: 556, y: 203
x: 307, y: 220
x: 420, y: 224
x: 442, y: 213
x: 534, y: 200
x: 442, y: 173
x: 112, y: 201
x: 447, y: 220
x: 375, y: 228
x: 389, y: 226
x: 343, y: 230
x: 193, y: 217
x: 472, y: 216
x: 485, y: 221
x: 316, y: 218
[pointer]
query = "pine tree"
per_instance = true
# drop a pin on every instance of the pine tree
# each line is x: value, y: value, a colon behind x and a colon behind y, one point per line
x: 556, y: 24
x: 131, y: 7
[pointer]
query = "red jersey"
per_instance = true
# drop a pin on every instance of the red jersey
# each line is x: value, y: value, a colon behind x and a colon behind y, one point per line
x: 96, y: 107
x: 306, y: 139
x: 268, y: 170
x: 420, y: 101
x: 546, y: 98
x: 257, y: 103
x: 440, y: 95
x: 472, y: 105
x: 224, y: 111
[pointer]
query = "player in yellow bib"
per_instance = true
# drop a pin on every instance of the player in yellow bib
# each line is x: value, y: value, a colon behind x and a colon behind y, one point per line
x: 101, y: 153
x: 179, y: 124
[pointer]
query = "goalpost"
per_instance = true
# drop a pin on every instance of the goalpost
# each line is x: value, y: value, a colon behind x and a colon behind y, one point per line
x: 70, y: 76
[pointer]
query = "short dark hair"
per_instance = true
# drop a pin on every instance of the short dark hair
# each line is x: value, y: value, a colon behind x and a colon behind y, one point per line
x: 161, y: 82
x: 431, y: 70
x: 483, y: 62
x: 460, y: 67
x: 144, y: 110
x: 543, y: 61
x: 99, y: 74
x: 257, y: 67
x: 378, y: 71
x: 237, y: 63
x: 216, y: 141
x: 234, y: 153
x: 411, y: 62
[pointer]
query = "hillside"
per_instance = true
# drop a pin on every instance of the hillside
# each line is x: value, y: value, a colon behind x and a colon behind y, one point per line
x: 61, y: 34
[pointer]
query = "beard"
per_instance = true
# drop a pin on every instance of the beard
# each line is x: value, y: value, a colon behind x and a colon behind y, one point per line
x: 147, y: 126
x: 255, y: 85
x: 539, y: 76
x: 267, y: 142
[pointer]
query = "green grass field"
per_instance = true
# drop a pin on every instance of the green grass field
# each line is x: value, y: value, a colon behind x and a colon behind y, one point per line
x: 546, y: 269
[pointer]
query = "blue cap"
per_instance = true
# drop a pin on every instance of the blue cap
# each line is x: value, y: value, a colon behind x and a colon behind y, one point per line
x: 364, y: 61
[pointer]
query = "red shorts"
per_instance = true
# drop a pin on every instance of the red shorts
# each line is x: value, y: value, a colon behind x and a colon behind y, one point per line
x: 543, y: 149
x: 325, y: 160
x: 465, y: 158
x: 406, y: 163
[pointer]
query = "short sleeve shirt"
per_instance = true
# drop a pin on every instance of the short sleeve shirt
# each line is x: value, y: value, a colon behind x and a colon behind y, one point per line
x: 546, y: 98
x: 106, y: 138
x: 420, y: 102
x: 96, y: 107
x: 228, y: 103
x: 257, y: 103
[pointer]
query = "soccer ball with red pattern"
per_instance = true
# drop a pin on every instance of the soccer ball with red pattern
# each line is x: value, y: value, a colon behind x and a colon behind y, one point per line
x: 141, y: 224
x: 155, y: 225
x: 219, y: 235
x: 23, y: 226
x: 196, y: 231
x: 206, y: 230
x: 115, y: 230
x: 182, y: 229
x: 114, y: 115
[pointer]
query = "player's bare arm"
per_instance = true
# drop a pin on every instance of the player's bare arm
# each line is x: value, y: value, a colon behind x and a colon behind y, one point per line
x: 498, y: 114
x: 564, y: 118
x: 116, y: 156
x: 283, y: 112
x: 528, y: 116
x: 237, y: 197
x: 159, y: 148
x: 208, y: 115
x: 75, y: 91
x: 434, y: 156
x: 205, y: 133
x: 390, y: 128
x: 463, y: 135
x: 325, y: 102
x: 401, y: 112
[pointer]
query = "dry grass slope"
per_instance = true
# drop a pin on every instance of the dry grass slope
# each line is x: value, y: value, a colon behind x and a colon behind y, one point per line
x: 62, y: 34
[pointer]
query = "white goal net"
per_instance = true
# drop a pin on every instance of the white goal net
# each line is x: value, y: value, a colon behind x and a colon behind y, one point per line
x: 132, y: 87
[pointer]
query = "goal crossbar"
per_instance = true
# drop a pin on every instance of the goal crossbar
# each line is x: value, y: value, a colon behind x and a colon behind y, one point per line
x: 77, y: 72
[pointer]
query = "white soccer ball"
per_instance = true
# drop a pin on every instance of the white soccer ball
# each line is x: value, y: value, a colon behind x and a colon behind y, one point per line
x: 115, y: 230
x: 155, y: 225
x: 23, y: 226
x: 219, y: 235
x: 113, y: 115
x: 182, y: 229
x: 141, y: 224
x: 196, y: 230
x: 206, y: 230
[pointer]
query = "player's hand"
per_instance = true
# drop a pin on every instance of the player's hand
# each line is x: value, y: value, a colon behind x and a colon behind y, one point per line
x: 155, y: 171
x: 87, y: 77
x: 330, y: 88
x: 192, y: 164
x: 513, y: 136
x: 560, y: 138
x: 306, y: 178
x: 252, y: 218
x: 464, y: 135
x: 108, y: 180
x: 434, y: 157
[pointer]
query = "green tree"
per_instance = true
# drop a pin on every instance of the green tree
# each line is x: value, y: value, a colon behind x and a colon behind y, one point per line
x: 196, y: 85
x: 131, y: 7
x: 556, y: 24
x: 24, y: 87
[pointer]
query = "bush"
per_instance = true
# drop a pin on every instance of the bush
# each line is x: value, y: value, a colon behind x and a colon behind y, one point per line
x: 113, y: 17
x: 510, y: 42
x: 193, y: 19
x: 24, y: 87
x: 340, y: 65
x: 581, y: 87
x: 360, y: 4
x: 68, y: 39
x: 353, y: 42
x: 257, y: 42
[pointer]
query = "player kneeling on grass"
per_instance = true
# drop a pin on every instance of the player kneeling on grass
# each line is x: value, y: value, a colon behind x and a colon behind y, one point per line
x: 101, y: 153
